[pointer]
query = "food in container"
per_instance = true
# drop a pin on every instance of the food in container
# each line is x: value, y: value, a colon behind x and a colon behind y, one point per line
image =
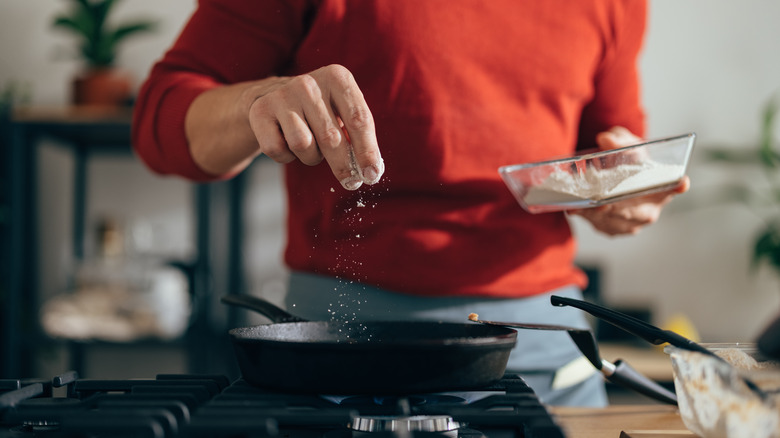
x: 600, y: 177
x: 716, y: 400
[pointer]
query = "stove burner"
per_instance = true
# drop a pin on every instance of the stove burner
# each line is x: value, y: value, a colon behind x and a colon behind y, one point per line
x: 416, y: 423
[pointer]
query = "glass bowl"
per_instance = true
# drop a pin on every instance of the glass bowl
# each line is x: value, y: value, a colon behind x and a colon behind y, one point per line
x: 716, y: 400
x: 600, y: 177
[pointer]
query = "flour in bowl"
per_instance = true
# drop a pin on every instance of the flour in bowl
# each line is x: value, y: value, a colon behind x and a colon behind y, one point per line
x: 596, y: 184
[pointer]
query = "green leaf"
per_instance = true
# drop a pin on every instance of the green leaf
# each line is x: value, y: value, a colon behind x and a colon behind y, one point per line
x: 100, y: 10
x: 128, y: 29
x: 767, y: 246
x: 768, y: 155
x: 79, y: 22
x: 71, y: 24
x: 763, y: 247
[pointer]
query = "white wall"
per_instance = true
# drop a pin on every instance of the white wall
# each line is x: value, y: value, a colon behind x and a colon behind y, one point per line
x: 707, y: 67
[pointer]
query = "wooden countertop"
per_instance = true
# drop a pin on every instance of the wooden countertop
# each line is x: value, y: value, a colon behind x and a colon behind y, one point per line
x: 627, y: 421
x: 621, y: 421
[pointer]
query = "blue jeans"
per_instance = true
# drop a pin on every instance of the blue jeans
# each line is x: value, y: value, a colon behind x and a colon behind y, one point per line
x: 536, y: 357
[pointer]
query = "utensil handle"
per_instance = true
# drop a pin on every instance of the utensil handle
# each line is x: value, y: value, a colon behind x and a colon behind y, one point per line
x: 625, y: 375
x: 637, y: 327
x: 632, y: 325
x: 261, y: 306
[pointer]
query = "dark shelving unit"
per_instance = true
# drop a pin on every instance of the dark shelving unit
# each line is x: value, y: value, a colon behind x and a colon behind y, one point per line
x: 86, y: 133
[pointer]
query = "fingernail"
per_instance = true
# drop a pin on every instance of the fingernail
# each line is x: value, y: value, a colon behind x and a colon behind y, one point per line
x: 352, y: 182
x: 371, y: 174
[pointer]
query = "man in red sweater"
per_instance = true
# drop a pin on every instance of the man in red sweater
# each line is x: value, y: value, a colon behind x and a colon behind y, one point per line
x: 391, y: 118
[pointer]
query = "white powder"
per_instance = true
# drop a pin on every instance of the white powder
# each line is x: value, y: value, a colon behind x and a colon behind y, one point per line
x: 597, y: 184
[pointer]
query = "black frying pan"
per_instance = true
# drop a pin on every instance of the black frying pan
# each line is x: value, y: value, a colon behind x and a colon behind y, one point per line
x: 372, y: 357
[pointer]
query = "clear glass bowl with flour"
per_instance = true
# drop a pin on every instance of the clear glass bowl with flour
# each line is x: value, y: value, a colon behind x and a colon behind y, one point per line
x: 599, y: 178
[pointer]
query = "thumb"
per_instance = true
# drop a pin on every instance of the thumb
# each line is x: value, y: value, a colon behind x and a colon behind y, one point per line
x: 616, y: 137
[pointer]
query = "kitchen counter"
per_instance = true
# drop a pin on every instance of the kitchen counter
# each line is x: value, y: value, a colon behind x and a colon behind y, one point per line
x: 621, y: 421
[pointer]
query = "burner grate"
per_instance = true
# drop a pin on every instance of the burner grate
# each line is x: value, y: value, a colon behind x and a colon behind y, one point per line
x: 210, y: 406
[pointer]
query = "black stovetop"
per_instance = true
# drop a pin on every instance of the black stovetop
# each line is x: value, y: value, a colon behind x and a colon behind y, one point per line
x: 212, y: 406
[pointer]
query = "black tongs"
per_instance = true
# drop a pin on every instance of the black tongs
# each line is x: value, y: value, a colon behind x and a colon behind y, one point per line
x: 635, y: 326
x: 648, y: 332
x: 619, y: 372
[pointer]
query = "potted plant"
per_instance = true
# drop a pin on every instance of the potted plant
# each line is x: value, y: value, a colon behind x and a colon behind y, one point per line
x: 100, y: 83
x: 763, y: 199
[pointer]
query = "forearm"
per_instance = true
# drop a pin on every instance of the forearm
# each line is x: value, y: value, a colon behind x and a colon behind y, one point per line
x: 217, y: 126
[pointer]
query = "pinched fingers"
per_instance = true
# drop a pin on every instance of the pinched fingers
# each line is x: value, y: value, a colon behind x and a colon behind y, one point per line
x: 357, y: 160
x: 320, y: 115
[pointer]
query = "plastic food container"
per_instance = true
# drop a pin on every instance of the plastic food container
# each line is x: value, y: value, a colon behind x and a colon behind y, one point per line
x: 714, y: 398
x: 600, y: 177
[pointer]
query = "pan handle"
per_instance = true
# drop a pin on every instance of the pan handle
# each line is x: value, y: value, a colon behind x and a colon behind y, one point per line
x: 261, y: 306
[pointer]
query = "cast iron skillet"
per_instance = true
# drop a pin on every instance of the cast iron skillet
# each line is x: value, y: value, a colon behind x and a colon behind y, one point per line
x: 371, y: 357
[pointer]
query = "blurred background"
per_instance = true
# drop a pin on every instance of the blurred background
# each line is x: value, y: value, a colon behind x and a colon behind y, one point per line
x: 707, y: 67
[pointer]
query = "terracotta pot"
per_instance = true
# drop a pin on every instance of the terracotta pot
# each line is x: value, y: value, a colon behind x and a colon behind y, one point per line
x: 102, y: 87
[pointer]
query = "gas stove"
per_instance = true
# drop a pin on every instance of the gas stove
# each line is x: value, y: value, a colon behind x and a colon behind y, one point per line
x: 212, y: 406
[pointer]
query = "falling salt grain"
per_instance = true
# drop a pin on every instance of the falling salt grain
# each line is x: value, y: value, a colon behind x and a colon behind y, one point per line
x: 360, y: 204
x: 332, y: 190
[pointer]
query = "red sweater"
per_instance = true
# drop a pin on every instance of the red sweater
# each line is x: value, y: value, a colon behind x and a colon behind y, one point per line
x: 457, y: 88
